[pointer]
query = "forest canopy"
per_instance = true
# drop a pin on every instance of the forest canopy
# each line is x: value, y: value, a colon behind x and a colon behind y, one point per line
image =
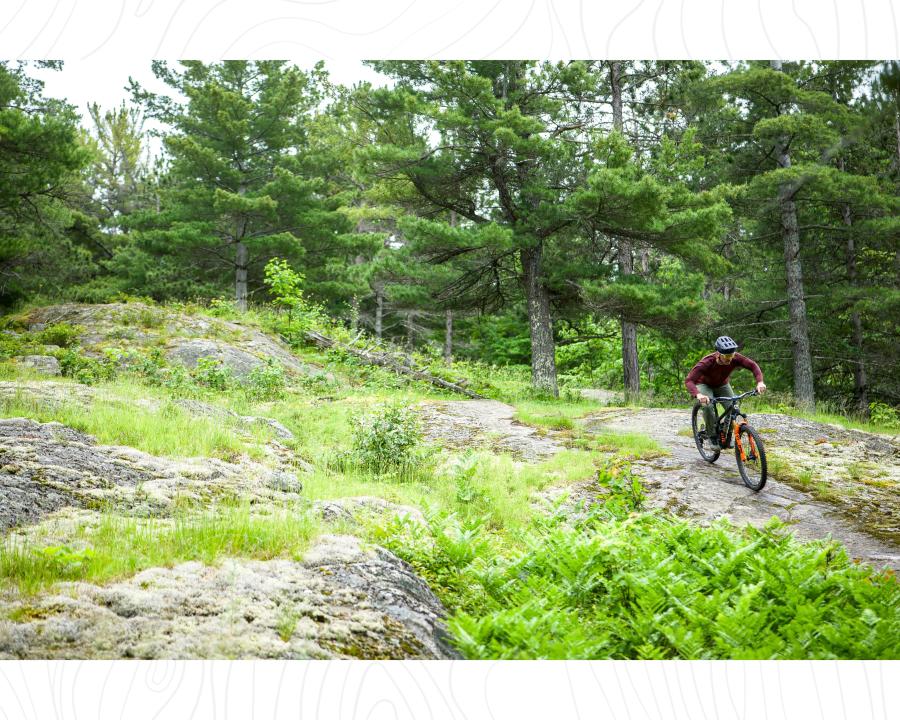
x: 599, y: 219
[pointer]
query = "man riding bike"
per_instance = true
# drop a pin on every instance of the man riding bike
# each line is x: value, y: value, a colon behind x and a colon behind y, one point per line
x: 709, y: 379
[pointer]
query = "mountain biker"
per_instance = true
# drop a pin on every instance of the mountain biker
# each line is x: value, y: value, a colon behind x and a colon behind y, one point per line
x: 709, y: 379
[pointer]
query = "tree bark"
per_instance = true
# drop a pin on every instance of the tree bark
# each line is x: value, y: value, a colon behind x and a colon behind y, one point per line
x: 631, y: 374
x: 543, y: 348
x: 240, y: 276
x: 803, y: 374
x: 379, y: 310
x: 354, y: 314
x: 897, y: 131
x: 408, y: 321
x: 241, y: 258
x: 448, y: 337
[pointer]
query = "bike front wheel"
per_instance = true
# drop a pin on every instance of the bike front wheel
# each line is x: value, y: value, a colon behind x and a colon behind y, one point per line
x: 698, y: 425
x: 751, y: 457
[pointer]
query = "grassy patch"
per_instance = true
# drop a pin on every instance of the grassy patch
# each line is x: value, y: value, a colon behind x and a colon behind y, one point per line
x: 495, y: 487
x: 802, y: 479
x: 553, y: 415
x: 119, y: 547
x: 628, y: 444
x: 167, y: 431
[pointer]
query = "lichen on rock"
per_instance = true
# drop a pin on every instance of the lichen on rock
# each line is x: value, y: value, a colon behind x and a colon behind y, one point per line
x: 342, y: 600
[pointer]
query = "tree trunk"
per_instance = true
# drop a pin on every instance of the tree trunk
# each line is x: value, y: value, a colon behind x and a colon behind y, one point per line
x: 241, y: 258
x: 409, y: 331
x: 354, y: 314
x: 860, y: 382
x: 448, y: 324
x: 448, y: 338
x: 379, y: 310
x: 615, y: 85
x: 631, y: 374
x: 803, y: 375
x: 240, y: 276
x: 543, y: 348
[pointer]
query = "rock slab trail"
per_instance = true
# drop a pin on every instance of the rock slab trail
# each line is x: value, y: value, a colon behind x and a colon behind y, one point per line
x: 468, y: 423
x: 689, y: 486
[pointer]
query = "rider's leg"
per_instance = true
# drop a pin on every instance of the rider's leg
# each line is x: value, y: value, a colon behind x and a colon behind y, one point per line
x: 724, y: 391
x: 709, y: 411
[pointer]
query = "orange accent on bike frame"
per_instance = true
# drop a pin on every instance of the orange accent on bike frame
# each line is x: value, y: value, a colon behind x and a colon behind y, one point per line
x: 737, y: 437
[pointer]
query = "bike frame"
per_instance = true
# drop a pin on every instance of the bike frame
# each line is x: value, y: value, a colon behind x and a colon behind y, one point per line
x: 733, y: 415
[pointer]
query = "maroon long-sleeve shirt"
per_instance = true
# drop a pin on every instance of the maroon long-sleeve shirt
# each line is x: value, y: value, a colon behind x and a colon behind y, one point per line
x: 709, y: 372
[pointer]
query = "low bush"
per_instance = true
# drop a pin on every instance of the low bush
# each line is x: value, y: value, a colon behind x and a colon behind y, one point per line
x: 265, y: 382
x: 62, y: 334
x: 211, y: 373
x: 385, y: 439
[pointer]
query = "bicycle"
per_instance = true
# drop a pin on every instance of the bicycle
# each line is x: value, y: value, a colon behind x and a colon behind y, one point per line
x: 749, y: 450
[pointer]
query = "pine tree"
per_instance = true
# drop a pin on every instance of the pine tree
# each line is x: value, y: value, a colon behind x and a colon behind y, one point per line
x: 40, y: 160
x: 240, y: 187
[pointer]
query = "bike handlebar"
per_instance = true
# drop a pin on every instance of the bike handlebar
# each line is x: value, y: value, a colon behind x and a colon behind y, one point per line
x: 736, y: 397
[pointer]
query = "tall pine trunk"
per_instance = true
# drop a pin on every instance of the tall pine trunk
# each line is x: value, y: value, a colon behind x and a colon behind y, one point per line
x: 803, y: 374
x: 241, y: 257
x: 410, y: 332
x: 448, y: 317
x: 543, y: 347
x: 448, y: 337
x: 379, y: 310
x: 631, y: 374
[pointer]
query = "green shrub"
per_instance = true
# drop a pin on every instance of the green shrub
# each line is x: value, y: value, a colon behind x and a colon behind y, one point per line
x: 210, y: 372
x: 385, y: 439
x: 86, y: 369
x: 62, y: 334
x: 266, y: 382
x: 884, y: 415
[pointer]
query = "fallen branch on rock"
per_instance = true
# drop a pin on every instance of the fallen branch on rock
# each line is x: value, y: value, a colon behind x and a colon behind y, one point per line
x: 385, y: 360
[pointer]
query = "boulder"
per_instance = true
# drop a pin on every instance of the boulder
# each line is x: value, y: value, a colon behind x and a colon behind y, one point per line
x: 189, y: 352
x: 48, y: 466
x: 46, y: 364
x: 342, y: 600
x: 186, y: 337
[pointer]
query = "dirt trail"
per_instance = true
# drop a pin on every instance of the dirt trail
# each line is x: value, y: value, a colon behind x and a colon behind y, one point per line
x: 687, y: 485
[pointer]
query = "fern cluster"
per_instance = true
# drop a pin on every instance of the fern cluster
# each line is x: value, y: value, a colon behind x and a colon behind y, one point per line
x: 625, y: 584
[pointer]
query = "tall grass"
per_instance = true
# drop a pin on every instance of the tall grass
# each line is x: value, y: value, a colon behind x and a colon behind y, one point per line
x: 119, y: 546
x: 168, y: 430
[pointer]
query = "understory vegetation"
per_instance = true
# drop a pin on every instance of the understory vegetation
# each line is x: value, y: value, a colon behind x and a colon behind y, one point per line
x: 614, y: 580
x: 622, y: 583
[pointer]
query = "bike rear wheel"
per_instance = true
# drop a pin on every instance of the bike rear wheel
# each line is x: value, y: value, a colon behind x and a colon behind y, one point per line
x: 752, y: 461
x: 698, y: 425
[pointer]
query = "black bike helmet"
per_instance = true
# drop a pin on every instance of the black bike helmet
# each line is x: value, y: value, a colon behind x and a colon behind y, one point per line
x: 726, y: 345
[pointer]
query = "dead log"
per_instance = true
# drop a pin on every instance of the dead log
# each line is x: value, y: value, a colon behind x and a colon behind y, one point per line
x: 386, y: 360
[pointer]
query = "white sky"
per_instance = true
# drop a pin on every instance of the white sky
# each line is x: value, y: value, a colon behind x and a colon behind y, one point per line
x: 84, y: 82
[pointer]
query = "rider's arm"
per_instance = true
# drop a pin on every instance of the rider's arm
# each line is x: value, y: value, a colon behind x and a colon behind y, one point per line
x: 694, y: 376
x: 747, y: 363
